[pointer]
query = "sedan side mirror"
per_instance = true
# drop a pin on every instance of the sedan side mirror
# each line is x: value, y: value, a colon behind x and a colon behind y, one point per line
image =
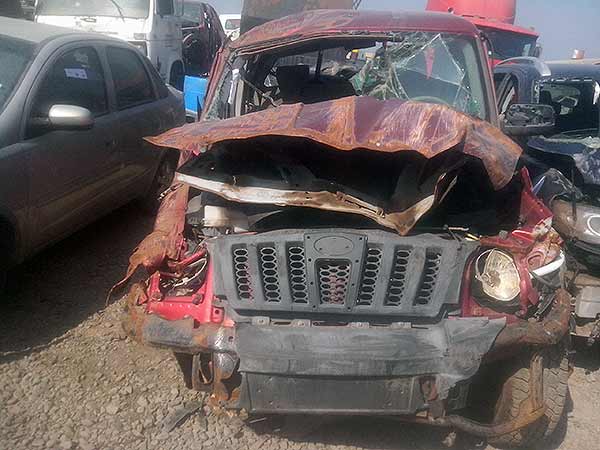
x: 528, y: 120
x: 70, y: 117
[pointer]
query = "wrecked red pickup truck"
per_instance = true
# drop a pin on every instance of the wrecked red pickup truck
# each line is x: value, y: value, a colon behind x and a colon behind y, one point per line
x: 353, y: 236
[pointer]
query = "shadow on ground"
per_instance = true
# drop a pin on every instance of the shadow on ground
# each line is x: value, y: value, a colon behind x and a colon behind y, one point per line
x: 59, y: 288
x: 362, y: 432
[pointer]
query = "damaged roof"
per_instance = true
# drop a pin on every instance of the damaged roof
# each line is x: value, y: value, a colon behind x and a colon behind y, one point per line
x: 362, y: 123
x: 316, y: 23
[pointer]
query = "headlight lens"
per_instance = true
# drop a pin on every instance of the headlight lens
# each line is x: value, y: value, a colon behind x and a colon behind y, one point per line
x: 498, y: 275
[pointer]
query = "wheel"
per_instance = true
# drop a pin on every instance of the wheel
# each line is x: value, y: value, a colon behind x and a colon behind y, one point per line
x: 161, y: 182
x: 516, y: 390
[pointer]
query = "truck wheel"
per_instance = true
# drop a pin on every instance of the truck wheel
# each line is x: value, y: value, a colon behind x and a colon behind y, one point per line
x: 162, y: 180
x: 516, y: 390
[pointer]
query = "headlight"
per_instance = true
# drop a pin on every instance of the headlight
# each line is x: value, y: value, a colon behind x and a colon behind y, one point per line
x: 585, y: 227
x: 141, y: 46
x: 498, y: 275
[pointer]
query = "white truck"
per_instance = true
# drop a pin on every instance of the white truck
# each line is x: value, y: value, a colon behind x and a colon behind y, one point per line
x: 153, y: 26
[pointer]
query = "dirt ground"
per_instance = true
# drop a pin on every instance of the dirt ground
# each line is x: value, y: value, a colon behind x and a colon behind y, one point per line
x: 71, y: 380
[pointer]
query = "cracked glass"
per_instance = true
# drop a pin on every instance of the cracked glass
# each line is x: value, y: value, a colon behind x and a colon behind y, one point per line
x: 429, y: 67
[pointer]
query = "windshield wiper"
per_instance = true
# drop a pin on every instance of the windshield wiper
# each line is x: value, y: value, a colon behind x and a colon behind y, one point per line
x: 114, y: 2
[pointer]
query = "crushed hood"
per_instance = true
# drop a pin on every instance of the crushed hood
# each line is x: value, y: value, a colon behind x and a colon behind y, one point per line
x: 362, y: 123
x: 352, y: 123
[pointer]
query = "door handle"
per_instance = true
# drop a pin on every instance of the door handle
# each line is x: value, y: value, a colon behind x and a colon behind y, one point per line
x: 111, y: 143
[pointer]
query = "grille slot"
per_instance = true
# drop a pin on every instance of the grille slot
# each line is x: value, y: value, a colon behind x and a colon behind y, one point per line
x: 433, y: 259
x: 369, y: 278
x: 398, y: 277
x: 269, y: 271
x: 297, y: 274
x: 334, y: 277
x: 242, y: 273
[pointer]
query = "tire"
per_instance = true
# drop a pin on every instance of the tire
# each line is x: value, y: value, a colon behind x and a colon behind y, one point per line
x: 161, y: 182
x: 516, y: 390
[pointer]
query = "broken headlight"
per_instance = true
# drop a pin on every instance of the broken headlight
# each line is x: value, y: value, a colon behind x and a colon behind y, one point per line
x: 584, y: 226
x: 497, y: 273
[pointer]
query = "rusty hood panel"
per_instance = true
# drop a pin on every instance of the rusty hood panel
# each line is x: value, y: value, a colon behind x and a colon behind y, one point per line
x: 363, y: 123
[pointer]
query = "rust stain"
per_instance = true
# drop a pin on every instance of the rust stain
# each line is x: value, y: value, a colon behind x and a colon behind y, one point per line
x: 165, y: 241
x: 362, y: 123
x: 550, y: 331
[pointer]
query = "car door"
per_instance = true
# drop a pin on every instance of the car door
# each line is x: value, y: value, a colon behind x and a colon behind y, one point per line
x: 141, y: 115
x: 71, y: 171
x: 507, y: 90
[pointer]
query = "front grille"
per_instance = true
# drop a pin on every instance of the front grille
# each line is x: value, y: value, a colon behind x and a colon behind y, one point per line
x: 369, y: 277
x: 433, y: 260
x: 242, y: 273
x: 398, y: 277
x: 362, y: 272
x: 269, y: 271
x: 297, y: 273
x: 334, y: 278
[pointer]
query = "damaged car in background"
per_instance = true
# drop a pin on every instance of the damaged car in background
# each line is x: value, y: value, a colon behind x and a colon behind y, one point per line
x: 355, y: 238
x: 565, y: 164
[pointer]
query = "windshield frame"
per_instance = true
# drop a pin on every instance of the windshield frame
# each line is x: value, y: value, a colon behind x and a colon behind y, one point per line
x: 116, y: 11
x: 232, y: 60
x: 19, y: 80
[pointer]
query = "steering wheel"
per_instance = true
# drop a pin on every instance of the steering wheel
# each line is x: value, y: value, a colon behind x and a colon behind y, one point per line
x: 430, y: 99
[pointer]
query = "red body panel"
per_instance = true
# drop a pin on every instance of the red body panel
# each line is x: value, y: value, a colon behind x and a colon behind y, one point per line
x: 498, y: 10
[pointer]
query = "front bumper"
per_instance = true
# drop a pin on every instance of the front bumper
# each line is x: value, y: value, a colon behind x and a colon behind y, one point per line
x: 354, y: 369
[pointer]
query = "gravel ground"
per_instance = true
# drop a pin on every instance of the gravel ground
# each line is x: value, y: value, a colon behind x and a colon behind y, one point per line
x: 71, y: 380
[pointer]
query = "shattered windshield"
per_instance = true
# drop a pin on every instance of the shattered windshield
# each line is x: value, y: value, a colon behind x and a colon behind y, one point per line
x: 420, y: 66
x: 425, y: 67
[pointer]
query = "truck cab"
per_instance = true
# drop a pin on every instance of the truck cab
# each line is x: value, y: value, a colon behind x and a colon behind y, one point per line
x: 497, y: 20
x: 153, y: 26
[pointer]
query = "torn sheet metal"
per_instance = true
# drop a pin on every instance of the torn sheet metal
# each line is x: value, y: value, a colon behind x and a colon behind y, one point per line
x: 363, y: 123
x: 584, y: 152
x: 165, y: 241
x: 402, y: 222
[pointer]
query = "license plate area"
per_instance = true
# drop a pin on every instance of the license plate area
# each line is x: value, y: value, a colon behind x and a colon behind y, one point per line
x: 336, y: 395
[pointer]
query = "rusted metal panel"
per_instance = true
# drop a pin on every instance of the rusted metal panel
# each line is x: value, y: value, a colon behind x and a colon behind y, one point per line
x: 363, y: 123
x: 330, y: 22
x: 550, y: 331
x: 165, y: 241
x: 257, y: 12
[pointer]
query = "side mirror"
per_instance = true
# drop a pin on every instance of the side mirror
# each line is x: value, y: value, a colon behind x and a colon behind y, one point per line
x: 70, y: 117
x: 528, y: 120
x: 537, y: 52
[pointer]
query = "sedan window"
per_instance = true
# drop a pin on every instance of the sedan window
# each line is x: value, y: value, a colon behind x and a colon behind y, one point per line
x: 132, y: 84
x: 75, y: 78
x: 15, y: 55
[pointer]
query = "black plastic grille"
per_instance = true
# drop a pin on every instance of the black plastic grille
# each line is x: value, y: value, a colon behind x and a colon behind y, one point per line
x: 370, y: 274
x: 297, y: 274
x: 270, y: 273
x: 433, y: 260
x: 339, y: 272
x: 397, y: 281
x: 334, y: 278
x: 242, y: 273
